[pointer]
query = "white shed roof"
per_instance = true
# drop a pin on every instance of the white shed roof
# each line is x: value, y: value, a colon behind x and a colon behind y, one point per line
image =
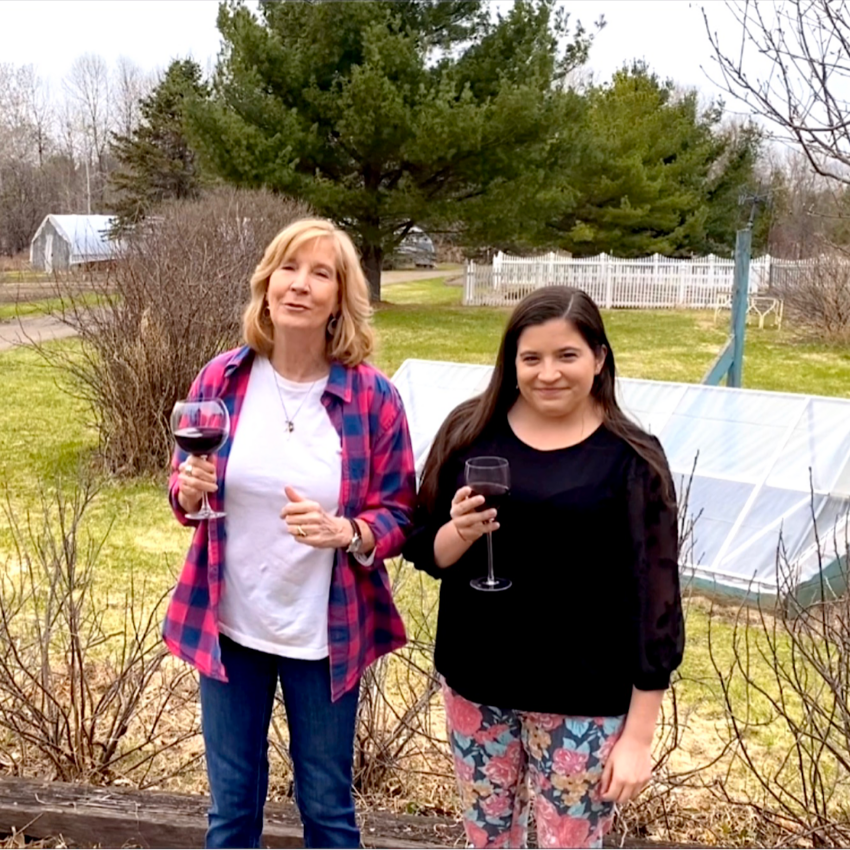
x: 753, y: 452
x: 86, y: 234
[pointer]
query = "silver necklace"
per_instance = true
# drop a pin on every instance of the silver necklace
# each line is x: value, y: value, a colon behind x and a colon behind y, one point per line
x: 290, y: 420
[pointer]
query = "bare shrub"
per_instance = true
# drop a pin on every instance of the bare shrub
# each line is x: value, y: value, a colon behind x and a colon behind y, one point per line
x: 817, y: 296
x: 85, y: 694
x: 786, y: 693
x: 171, y: 302
x: 401, y: 735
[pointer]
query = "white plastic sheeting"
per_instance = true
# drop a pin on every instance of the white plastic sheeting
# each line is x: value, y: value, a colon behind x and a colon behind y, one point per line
x: 750, y: 453
x: 85, y: 234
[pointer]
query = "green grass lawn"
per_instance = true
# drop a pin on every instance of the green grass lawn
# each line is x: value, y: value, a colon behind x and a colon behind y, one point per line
x: 45, y: 436
x: 45, y: 431
x: 43, y: 306
x: 426, y: 320
x: 13, y: 276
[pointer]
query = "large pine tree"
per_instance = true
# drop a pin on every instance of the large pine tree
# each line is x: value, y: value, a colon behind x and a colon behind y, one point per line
x: 383, y: 115
x: 653, y: 172
x: 157, y: 161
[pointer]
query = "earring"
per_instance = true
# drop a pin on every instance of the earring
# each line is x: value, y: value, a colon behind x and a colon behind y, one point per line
x: 332, y: 323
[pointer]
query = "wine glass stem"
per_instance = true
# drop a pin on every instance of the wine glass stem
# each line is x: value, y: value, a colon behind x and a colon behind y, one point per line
x: 491, y: 579
x: 205, y: 502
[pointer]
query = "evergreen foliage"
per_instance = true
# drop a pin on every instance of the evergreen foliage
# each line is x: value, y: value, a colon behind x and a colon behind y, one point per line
x: 654, y: 173
x: 157, y: 161
x: 383, y: 115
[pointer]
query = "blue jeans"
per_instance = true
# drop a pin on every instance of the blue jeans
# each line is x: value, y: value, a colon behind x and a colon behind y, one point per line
x: 235, y: 718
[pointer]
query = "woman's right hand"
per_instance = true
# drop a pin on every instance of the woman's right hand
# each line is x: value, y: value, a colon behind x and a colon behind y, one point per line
x: 196, y: 476
x: 468, y: 520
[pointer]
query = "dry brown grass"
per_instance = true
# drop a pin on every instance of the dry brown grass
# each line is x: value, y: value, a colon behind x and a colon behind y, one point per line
x: 19, y: 840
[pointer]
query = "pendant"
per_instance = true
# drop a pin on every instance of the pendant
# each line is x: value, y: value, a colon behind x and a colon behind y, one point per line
x: 290, y: 425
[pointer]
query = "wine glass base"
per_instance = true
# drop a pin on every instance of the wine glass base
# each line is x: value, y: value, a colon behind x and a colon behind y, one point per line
x: 484, y: 583
x: 208, y: 514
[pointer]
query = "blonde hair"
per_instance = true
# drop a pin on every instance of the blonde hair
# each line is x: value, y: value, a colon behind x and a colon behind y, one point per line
x: 351, y: 339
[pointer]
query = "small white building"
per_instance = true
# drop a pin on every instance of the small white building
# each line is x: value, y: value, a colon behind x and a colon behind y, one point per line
x: 62, y: 241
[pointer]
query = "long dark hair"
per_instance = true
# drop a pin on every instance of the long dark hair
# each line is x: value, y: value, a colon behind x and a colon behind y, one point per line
x: 468, y: 420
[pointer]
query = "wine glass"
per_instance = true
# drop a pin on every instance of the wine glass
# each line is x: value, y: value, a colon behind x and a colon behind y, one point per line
x: 201, y: 428
x: 489, y: 477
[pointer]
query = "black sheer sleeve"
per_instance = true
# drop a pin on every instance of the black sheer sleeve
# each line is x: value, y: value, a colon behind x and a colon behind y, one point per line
x: 654, y: 529
x: 419, y: 548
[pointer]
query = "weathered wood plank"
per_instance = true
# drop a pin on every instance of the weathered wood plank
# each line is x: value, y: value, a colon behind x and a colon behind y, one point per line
x: 113, y: 817
x: 85, y: 816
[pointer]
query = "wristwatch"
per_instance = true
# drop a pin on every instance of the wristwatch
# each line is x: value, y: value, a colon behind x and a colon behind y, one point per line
x: 356, y: 545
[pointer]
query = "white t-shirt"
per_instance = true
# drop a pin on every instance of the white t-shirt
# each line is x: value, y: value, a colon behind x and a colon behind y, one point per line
x: 275, y: 591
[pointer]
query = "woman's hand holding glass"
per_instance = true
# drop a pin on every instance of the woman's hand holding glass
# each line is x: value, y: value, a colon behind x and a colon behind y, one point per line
x: 196, y: 476
x: 469, y: 521
x: 200, y: 427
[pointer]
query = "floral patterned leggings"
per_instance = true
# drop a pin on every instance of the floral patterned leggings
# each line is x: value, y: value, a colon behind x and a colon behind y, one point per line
x: 497, y: 751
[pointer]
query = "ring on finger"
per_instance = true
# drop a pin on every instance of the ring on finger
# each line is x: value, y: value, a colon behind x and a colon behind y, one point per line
x: 301, y: 532
x: 189, y: 469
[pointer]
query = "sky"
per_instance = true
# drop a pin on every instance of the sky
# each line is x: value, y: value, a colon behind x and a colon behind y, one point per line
x: 50, y: 34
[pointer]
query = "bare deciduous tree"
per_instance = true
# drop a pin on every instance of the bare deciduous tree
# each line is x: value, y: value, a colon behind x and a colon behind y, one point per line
x: 26, y: 187
x: 804, y: 90
x: 130, y: 85
x: 37, y: 112
x: 54, y: 153
x: 87, y: 88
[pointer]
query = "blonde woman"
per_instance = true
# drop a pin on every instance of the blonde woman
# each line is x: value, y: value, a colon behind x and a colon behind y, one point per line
x: 317, y: 483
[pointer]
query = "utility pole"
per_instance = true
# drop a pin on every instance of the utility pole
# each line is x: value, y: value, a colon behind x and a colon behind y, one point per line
x: 88, y: 187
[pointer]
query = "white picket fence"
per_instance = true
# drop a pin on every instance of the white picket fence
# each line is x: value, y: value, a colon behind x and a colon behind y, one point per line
x: 649, y: 282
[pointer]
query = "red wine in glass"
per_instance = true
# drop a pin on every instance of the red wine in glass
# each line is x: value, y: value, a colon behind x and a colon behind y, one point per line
x: 489, y: 477
x: 199, y: 441
x: 201, y: 428
x: 494, y: 494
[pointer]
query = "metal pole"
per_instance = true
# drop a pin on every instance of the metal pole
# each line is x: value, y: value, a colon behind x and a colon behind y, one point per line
x: 740, y: 302
x: 88, y: 188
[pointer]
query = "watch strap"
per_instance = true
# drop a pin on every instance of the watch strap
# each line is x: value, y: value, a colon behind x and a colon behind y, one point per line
x: 356, y: 544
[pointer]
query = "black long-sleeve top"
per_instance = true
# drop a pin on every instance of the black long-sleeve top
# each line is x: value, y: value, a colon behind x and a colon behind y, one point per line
x: 591, y: 546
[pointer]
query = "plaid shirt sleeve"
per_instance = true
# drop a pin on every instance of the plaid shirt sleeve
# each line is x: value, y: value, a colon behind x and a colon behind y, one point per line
x: 391, y: 492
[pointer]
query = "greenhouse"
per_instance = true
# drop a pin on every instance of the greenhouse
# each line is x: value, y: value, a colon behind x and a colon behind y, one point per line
x: 757, y: 467
x: 63, y: 241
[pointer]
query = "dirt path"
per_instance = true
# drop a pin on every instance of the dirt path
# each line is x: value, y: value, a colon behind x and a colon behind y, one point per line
x: 407, y: 275
x: 35, y: 329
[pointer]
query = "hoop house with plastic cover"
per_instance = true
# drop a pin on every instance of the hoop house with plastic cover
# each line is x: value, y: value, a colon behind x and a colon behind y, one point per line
x: 764, y: 465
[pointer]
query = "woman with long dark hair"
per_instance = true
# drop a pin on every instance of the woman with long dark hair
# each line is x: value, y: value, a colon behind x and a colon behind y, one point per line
x: 556, y: 681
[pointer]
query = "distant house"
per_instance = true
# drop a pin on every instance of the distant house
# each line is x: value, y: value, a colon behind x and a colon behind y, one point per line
x: 62, y: 241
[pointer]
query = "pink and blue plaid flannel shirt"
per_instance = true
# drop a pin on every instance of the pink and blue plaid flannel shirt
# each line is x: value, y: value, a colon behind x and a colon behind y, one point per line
x: 378, y: 487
